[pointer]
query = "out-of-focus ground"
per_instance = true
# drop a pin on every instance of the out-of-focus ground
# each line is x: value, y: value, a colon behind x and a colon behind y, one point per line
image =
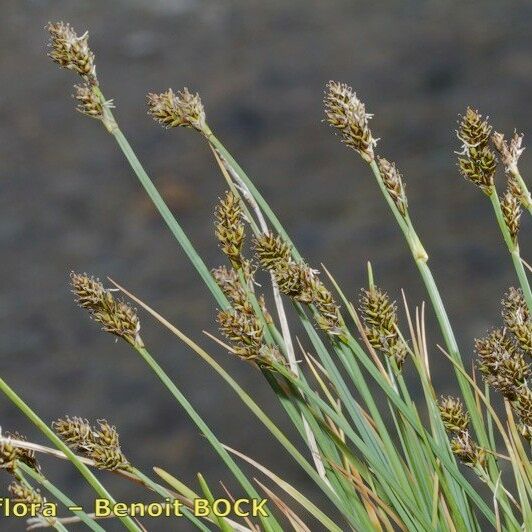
x: 69, y: 201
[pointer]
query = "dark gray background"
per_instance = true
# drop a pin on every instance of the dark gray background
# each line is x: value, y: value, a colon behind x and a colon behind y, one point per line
x: 69, y: 201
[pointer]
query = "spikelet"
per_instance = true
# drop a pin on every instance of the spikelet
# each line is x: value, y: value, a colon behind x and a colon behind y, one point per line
x: 75, y: 432
x: 272, y: 250
x: 467, y: 451
x: 510, y: 152
x: 298, y: 280
x: 229, y: 228
x: 228, y: 281
x: 106, y: 434
x: 72, y: 52
x: 478, y: 163
x: 183, y: 109
x: 454, y: 417
x: 511, y: 212
x: 393, y: 182
x: 479, y: 168
x: 295, y: 280
x: 523, y: 407
x: 502, y: 363
x: 473, y: 131
x: 379, y: 316
x: 115, y: 316
x: 10, y: 454
x: 243, y: 330
x: 101, y: 444
x: 26, y: 495
x: 89, y: 103
x: 346, y: 113
x: 109, y: 458
x: 517, y: 318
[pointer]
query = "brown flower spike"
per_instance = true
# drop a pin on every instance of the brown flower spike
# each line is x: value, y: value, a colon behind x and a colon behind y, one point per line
x: 454, y: 417
x: 511, y: 212
x: 101, y: 444
x: 183, y: 109
x: 393, y: 182
x: 478, y: 163
x: 379, y: 316
x: 502, y: 363
x: 517, y: 318
x: 346, y: 113
x: 23, y: 494
x: 115, y: 316
x: 473, y: 131
x: 298, y: 280
x: 72, y: 52
x: 229, y: 228
x: 10, y: 454
x: 510, y: 152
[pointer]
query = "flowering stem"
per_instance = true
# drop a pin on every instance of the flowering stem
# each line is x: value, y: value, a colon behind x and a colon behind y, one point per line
x: 270, y: 523
x: 50, y: 434
x: 421, y: 259
x: 174, y: 226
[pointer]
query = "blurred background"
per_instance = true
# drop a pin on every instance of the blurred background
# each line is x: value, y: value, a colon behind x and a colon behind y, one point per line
x: 68, y: 200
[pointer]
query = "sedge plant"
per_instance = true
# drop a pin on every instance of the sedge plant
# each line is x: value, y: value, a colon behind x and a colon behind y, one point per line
x: 379, y: 458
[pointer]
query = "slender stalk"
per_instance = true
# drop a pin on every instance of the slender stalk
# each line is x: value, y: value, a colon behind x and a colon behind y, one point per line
x: 50, y: 434
x: 421, y: 259
x: 174, y: 226
x: 270, y: 523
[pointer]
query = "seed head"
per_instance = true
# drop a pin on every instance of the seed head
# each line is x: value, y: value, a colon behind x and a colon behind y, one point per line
x: 229, y: 228
x: 394, y: 184
x: 10, y: 454
x: 454, y: 417
x: 182, y: 109
x: 106, y: 434
x: 244, y: 331
x: 272, y: 250
x: 479, y: 167
x: 75, y: 432
x: 229, y: 282
x: 467, y: 450
x: 473, y: 131
x: 88, y: 101
x: 511, y: 211
x: 379, y: 316
x: 24, y: 494
x: 109, y: 458
x: 517, y: 318
x: 295, y: 280
x: 346, y: 113
x: 509, y: 151
x: 523, y: 405
x: 101, y: 444
x: 116, y: 316
x: 72, y: 52
x: 502, y: 363
x: 329, y: 318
